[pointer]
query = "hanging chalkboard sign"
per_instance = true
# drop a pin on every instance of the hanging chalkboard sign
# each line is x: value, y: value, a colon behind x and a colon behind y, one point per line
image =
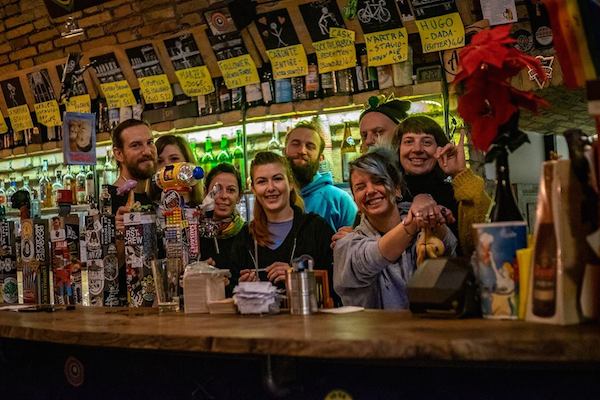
x: 276, y: 29
x: 433, y: 8
x: 40, y: 85
x: 183, y: 52
x: 319, y: 16
x: 144, y: 61
x: 378, y: 15
x: 13, y: 92
x: 107, y: 68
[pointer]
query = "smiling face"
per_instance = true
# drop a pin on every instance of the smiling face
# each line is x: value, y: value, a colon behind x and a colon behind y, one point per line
x: 371, y: 196
x: 376, y: 127
x: 138, y: 155
x: 417, y: 153
x: 228, y: 196
x: 170, y: 154
x: 303, y: 152
x: 271, y: 187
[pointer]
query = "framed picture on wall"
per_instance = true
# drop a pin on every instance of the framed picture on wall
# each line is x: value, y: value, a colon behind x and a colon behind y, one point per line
x: 79, y: 138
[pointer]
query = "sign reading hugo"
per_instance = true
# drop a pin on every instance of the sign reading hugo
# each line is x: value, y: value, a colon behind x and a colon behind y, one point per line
x: 195, y: 81
x: 20, y: 119
x: 335, y: 54
x: 156, y: 89
x: 47, y: 113
x: 387, y: 47
x: 239, y: 71
x: 288, y: 62
x: 118, y: 94
x: 443, y: 32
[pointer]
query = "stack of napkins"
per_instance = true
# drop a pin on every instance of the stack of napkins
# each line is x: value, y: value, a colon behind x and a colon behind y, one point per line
x: 202, y: 283
x: 256, y: 298
x: 225, y: 306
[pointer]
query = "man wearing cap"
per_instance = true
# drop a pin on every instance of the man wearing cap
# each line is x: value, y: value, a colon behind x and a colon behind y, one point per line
x: 379, y: 120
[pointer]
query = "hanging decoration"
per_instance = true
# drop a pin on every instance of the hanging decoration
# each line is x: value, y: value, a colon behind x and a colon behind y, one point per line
x: 487, y: 100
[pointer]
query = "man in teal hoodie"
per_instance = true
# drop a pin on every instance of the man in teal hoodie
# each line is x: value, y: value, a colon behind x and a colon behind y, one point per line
x: 304, y: 146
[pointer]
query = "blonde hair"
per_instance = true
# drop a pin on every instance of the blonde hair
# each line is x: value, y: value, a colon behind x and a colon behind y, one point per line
x: 259, y: 228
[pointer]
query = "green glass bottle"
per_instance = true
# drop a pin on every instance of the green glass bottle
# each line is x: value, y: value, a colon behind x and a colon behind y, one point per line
x: 208, y: 160
x: 238, y: 158
x: 224, y: 156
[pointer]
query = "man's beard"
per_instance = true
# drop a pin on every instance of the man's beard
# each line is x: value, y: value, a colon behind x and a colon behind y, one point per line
x: 138, y: 173
x: 304, y: 173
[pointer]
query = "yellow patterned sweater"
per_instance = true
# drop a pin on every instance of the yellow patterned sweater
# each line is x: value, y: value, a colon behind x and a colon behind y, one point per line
x: 473, y: 205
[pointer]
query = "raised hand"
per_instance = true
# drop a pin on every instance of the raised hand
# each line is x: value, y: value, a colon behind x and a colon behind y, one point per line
x: 451, y: 158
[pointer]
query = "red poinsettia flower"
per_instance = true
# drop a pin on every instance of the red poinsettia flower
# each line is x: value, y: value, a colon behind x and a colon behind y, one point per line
x: 488, y: 100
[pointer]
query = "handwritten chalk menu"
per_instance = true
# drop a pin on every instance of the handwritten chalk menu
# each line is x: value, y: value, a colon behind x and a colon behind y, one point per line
x: 377, y: 15
x: 341, y: 32
x: 107, y: 68
x: 13, y: 92
x: 288, y: 62
x: 319, y: 17
x: 156, y: 89
x: 47, y: 113
x: 387, y: 47
x: 239, y: 71
x: 144, y: 61
x: 440, y: 33
x: 335, y: 54
x: 195, y: 81
x: 118, y: 94
x: 20, y: 118
x: 276, y: 29
x: 433, y: 8
x: 183, y: 52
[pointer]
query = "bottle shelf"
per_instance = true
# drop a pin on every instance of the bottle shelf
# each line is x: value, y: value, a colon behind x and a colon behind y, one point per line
x: 28, y: 158
x: 51, y: 210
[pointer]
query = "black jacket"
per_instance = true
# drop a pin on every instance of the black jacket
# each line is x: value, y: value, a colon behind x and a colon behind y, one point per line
x: 310, y: 234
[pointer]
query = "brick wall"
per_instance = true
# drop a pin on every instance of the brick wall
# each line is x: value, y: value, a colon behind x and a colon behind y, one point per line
x: 28, y: 36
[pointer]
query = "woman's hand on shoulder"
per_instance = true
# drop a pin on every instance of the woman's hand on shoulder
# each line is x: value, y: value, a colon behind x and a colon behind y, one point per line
x: 343, y: 231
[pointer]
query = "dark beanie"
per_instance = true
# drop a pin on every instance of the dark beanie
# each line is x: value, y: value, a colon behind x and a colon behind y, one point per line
x: 422, y: 124
x: 394, y: 109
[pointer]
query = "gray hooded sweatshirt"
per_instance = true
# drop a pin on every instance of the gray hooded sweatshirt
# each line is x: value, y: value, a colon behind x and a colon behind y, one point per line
x: 363, y: 277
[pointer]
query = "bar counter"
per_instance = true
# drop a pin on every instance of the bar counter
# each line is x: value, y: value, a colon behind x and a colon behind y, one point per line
x: 369, y: 334
x: 368, y: 354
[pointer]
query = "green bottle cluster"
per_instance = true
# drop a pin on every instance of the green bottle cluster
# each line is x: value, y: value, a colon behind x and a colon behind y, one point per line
x: 235, y: 157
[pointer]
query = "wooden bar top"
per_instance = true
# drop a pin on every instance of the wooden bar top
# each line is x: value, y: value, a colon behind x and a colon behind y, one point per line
x: 368, y: 334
